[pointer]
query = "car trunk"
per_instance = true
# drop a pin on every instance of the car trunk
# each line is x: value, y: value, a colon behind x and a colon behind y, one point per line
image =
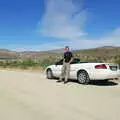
x: 113, y: 66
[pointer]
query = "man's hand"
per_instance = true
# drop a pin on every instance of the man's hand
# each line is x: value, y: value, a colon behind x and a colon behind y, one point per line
x: 71, y: 60
x: 63, y: 60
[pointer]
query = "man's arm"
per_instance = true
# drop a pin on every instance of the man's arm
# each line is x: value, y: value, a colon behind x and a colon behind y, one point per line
x: 71, y: 58
x: 64, y: 58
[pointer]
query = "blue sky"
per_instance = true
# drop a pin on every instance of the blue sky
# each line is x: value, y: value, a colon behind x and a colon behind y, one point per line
x: 51, y: 24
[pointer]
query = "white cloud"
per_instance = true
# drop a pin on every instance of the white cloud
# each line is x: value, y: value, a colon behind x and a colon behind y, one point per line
x: 113, y: 36
x: 60, y: 21
x: 63, y: 19
x: 111, y: 39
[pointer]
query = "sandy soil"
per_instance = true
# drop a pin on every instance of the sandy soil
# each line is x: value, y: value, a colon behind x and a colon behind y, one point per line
x: 30, y: 96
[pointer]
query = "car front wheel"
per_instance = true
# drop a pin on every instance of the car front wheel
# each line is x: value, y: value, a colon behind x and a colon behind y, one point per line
x: 83, y: 77
x: 49, y: 74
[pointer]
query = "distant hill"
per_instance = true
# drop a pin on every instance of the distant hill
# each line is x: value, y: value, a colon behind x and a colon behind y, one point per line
x: 7, y: 54
x: 59, y: 51
x: 100, y: 51
x: 103, y: 52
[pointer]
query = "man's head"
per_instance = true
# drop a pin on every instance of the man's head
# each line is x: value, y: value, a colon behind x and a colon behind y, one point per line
x: 66, y: 49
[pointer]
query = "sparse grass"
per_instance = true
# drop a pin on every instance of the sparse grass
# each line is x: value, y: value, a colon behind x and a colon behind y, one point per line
x: 40, y: 64
x: 43, y: 62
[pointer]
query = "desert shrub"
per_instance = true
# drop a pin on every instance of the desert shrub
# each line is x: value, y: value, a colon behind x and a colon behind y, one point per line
x: 46, y: 62
x: 117, y: 61
x: 24, y: 63
x: 28, y: 63
x: 1, y: 63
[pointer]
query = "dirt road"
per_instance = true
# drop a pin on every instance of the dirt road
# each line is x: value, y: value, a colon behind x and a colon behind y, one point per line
x: 30, y: 96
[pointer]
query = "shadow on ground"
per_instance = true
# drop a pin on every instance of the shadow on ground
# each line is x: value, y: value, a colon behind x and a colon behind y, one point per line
x: 103, y: 83
x: 99, y: 83
x: 96, y: 82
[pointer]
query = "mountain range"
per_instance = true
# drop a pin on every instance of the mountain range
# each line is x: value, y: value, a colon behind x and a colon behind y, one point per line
x: 107, y: 51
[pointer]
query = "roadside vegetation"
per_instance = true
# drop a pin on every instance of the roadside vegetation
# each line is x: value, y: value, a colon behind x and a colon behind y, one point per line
x: 40, y: 60
x: 42, y: 63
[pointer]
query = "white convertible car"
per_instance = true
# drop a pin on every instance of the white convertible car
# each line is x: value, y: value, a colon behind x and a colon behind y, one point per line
x: 84, y: 72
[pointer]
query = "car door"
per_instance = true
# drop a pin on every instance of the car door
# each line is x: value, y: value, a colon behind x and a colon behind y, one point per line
x: 73, y: 67
x: 57, y: 68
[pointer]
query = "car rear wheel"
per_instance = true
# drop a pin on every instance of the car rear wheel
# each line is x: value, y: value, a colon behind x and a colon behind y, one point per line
x: 83, y: 77
x: 49, y: 74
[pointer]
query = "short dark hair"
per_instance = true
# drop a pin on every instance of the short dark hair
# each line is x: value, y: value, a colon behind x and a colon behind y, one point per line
x: 66, y: 46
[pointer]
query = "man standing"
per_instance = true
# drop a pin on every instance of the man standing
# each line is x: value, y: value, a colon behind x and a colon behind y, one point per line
x: 68, y: 57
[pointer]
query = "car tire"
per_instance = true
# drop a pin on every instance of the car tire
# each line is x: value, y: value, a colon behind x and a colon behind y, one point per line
x: 49, y: 74
x: 83, y: 77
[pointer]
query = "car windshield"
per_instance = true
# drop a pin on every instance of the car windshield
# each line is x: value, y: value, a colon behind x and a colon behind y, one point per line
x: 75, y: 60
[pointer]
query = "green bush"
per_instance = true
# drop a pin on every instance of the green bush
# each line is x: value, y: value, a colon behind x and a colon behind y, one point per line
x: 117, y: 61
x: 46, y: 62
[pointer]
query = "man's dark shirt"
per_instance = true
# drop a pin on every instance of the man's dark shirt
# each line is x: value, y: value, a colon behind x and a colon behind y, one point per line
x: 68, y: 56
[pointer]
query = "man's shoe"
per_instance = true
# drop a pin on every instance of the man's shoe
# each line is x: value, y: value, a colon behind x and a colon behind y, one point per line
x: 65, y: 82
x: 59, y: 81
